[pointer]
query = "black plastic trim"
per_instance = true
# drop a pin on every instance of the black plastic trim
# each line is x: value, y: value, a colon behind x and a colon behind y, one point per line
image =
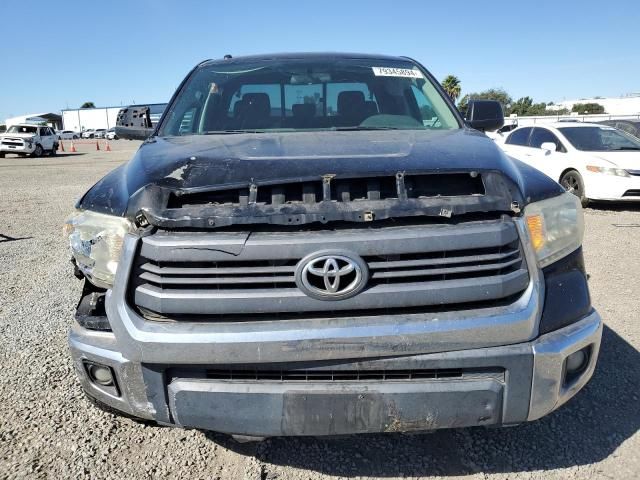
x: 567, y: 298
x: 90, y: 311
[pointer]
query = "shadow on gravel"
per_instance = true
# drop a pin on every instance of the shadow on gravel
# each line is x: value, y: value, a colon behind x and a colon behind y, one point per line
x: 586, y: 430
x: 614, y: 206
x: 7, y: 238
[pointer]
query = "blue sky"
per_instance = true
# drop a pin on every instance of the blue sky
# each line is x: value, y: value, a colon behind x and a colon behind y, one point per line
x: 59, y: 54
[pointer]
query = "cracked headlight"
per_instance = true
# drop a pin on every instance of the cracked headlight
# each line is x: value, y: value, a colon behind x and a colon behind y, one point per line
x: 556, y: 227
x: 96, y: 242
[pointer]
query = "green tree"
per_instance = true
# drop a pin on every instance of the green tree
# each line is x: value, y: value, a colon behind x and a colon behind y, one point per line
x: 525, y: 106
x: 497, y: 94
x: 88, y: 105
x: 583, y: 108
x: 451, y: 85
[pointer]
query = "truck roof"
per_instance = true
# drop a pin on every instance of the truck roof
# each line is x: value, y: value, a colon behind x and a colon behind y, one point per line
x: 305, y: 55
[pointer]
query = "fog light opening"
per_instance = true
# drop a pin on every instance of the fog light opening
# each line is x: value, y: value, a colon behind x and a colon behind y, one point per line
x: 100, y: 375
x: 575, y: 364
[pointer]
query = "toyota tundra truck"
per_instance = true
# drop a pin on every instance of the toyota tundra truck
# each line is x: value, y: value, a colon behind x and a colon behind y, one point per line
x: 319, y: 244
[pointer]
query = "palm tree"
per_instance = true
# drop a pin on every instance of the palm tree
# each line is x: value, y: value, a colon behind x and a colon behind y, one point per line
x: 451, y: 85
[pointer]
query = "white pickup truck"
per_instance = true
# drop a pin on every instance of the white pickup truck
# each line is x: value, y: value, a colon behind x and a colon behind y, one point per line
x: 26, y: 139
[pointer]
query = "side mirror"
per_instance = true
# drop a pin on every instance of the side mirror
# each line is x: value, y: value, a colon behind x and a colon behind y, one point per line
x: 549, y: 147
x: 484, y: 115
x: 134, y: 123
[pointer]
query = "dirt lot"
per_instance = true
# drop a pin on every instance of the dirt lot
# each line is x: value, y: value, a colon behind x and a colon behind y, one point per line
x: 48, y: 429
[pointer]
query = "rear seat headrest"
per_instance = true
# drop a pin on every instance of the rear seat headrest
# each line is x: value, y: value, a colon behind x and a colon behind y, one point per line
x: 350, y: 101
x: 257, y: 104
x: 304, y: 110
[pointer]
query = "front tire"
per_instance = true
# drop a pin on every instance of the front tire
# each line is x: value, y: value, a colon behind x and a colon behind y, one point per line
x: 573, y: 183
x: 38, y: 151
x: 54, y: 150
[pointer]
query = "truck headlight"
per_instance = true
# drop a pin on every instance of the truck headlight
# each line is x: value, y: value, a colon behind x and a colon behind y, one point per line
x: 556, y: 227
x: 96, y: 243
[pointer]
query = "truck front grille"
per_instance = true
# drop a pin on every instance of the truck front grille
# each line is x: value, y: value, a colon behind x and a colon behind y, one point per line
x: 385, y: 269
x: 13, y: 142
x: 324, y: 374
x: 331, y: 375
x: 218, y: 274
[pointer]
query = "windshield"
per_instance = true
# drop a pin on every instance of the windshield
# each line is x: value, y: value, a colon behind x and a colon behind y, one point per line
x: 22, y: 129
x: 298, y: 95
x: 599, y: 139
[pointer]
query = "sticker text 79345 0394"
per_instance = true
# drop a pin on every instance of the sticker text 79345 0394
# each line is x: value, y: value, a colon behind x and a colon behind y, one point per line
x: 396, y: 72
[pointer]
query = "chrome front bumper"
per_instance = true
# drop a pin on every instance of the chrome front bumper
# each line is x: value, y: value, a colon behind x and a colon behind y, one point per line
x: 533, y: 385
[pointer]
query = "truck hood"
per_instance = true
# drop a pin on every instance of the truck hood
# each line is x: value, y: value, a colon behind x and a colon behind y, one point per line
x: 198, y: 162
x: 17, y: 135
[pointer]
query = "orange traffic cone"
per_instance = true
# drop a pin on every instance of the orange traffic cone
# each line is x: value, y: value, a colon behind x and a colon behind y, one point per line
x: 73, y: 148
x: 97, y: 145
x: 107, y: 147
x: 61, y: 146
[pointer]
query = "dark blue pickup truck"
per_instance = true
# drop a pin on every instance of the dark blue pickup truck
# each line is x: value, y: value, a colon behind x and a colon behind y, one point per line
x: 319, y: 244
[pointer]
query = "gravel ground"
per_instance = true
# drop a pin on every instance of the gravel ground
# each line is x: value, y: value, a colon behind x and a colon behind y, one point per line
x: 48, y: 429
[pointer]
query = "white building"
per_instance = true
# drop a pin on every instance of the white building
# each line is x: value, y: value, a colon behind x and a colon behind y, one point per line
x: 80, y: 119
x: 52, y: 119
x: 624, y: 105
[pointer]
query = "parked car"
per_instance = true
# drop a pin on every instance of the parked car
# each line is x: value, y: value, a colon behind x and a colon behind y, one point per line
x: 27, y: 139
x: 296, y: 251
x: 111, y: 134
x: 632, y: 127
x: 88, y: 133
x: 500, y: 134
x: 99, y: 133
x: 595, y: 162
x: 67, y: 135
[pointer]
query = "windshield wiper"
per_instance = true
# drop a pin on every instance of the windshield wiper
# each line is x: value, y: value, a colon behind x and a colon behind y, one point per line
x: 627, y: 148
x: 359, y: 127
x: 230, y: 132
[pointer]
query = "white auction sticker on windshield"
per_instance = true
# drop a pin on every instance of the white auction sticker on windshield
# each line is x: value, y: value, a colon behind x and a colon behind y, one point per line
x: 396, y: 72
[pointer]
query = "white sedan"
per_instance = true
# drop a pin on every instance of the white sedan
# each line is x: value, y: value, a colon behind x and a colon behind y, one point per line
x: 66, y: 135
x: 595, y: 162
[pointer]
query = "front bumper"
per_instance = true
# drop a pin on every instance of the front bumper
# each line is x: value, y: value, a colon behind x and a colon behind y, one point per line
x: 610, y: 187
x: 24, y: 148
x: 525, y: 382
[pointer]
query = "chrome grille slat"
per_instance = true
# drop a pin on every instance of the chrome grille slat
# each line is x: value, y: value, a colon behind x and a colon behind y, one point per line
x: 248, y: 270
x: 441, y: 260
x: 443, y: 271
x: 165, y: 280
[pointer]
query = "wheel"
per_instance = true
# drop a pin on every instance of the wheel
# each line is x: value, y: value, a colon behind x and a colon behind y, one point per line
x: 115, y: 137
x: 75, y: 137
x: 54, y: 150
x: 572, y: 181
x: 1, y: 155
x: 38, y: 151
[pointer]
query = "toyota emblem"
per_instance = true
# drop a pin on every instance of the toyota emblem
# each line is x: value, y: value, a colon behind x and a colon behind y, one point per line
x: 331, y: 275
